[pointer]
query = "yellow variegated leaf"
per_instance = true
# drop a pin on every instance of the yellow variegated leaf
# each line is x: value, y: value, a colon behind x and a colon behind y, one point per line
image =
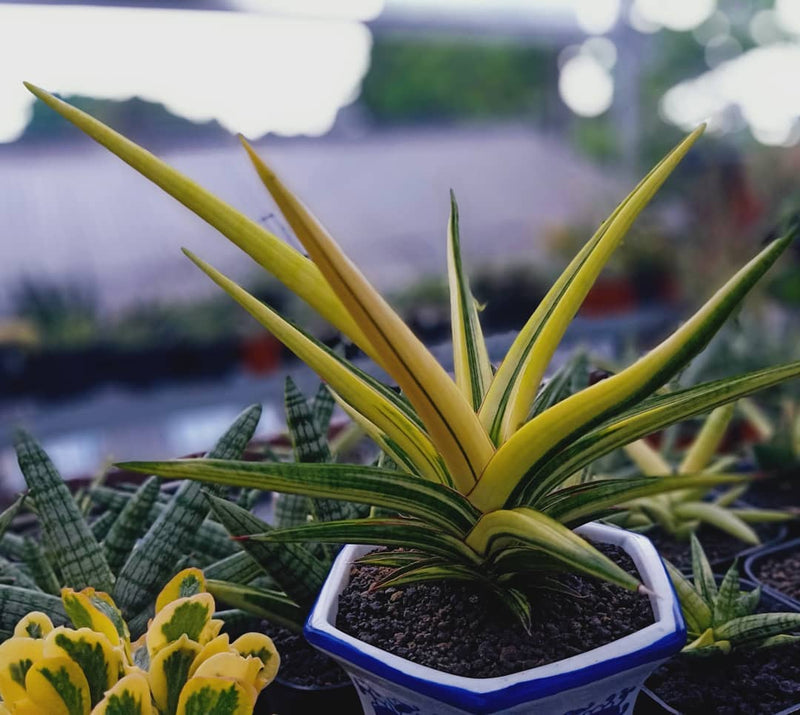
x: 451, y: 423
x: 220, y: 644
x: 650, y: 461
x: 186, y: 583
x: 420, y: 459
x: 34, y: 625
x: 232, y: 666
x: 470, y: 356
x: 508, y: 527
x: 17, y: 655
x: 260, y: 646
x: 707, y: 441
x: 59, y: 687
x: 169, y: 671
x: 26, y: 707
x: 100, y: 662
x: 551, y: 427
x: 188, y: 616
x: 350, y: 388
x: 517, y: 381
x: 215, y: 695
x: 295, y: 271
x: 96, y: 610
x: 130, y: 696
x: 720, y: 517
x: 211, y: 631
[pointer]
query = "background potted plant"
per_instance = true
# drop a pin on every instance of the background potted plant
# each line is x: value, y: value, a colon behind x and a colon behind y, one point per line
x: 740, y: 654
x: 722, y: 519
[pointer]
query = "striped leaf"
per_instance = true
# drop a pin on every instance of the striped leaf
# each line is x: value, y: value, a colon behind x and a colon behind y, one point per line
x: 153, y: 561
x: 727, y: 597
x: 505, y: 527
x: 746, y: 602
x: 15, y: 575
x: 757, y: 626
x: 322, y: 407
x: 293, y: 567
x: 101, y: 525
x: 470, y: 356
x: 650, y: 416
x: 70, y: 540
x: 581, y: 503
x: 9, y: 513
x: 708, y: 439
x: 238, y: 568
x: 130, y: 524
x: 376, y: 402
x: 11, y: 546
x: 380, y: 532
x: 565, y: 422
x: 719, y: 517
x: 295, y: 271
x: 696, y: 610
x: 451, y: 423
x: 213, y: 540
x: 311, y: 446
x: 364, y: 485
x: 40, y: 568
x: 516, y: 383
x: 704, y: 582
x: 275, y: 606
x: 572, y: 376
x: 291, y: 509
x: 16, y: 603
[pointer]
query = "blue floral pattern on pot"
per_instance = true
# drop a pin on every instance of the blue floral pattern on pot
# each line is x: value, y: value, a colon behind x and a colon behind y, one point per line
x: 616, y: 704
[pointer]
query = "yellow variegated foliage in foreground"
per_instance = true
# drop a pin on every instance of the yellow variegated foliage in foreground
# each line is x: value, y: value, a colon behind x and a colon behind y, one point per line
x: 181, y: 665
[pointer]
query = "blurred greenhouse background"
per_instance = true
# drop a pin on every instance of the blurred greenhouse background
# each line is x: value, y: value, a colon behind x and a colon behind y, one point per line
x: 539, y: 114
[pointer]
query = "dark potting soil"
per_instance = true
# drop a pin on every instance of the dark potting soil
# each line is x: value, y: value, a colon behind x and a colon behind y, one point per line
x: 777, y: 492
x: 301, y: 664
x: 781, y: 571
x: 461, y: 629
x: 760, y: 682
x: 720, y: 547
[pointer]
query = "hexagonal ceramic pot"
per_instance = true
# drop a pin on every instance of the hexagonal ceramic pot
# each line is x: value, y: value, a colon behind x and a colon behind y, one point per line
x: 602, y: 681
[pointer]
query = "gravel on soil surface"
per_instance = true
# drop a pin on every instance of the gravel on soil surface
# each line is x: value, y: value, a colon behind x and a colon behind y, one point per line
x: 720, y: 547
x: 459, y: 628
x: 747, y: 682
x: 302, y: 664
x: 781, y: 571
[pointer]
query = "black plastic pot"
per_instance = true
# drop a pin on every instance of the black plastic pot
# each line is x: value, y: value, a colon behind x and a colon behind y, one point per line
x: 751, y: 567
x: 648, y: 703
x: 284, y: 698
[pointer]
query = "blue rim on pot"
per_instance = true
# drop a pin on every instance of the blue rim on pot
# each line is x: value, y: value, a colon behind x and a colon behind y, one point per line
x: 611, y: 674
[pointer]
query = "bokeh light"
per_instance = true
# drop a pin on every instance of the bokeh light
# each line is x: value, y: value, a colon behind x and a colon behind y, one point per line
x: 680, y: 15
x: 585, y: 85
x: 253, y: 73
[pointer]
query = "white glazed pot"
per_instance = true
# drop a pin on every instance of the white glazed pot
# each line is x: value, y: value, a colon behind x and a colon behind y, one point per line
x: 602, y: 681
